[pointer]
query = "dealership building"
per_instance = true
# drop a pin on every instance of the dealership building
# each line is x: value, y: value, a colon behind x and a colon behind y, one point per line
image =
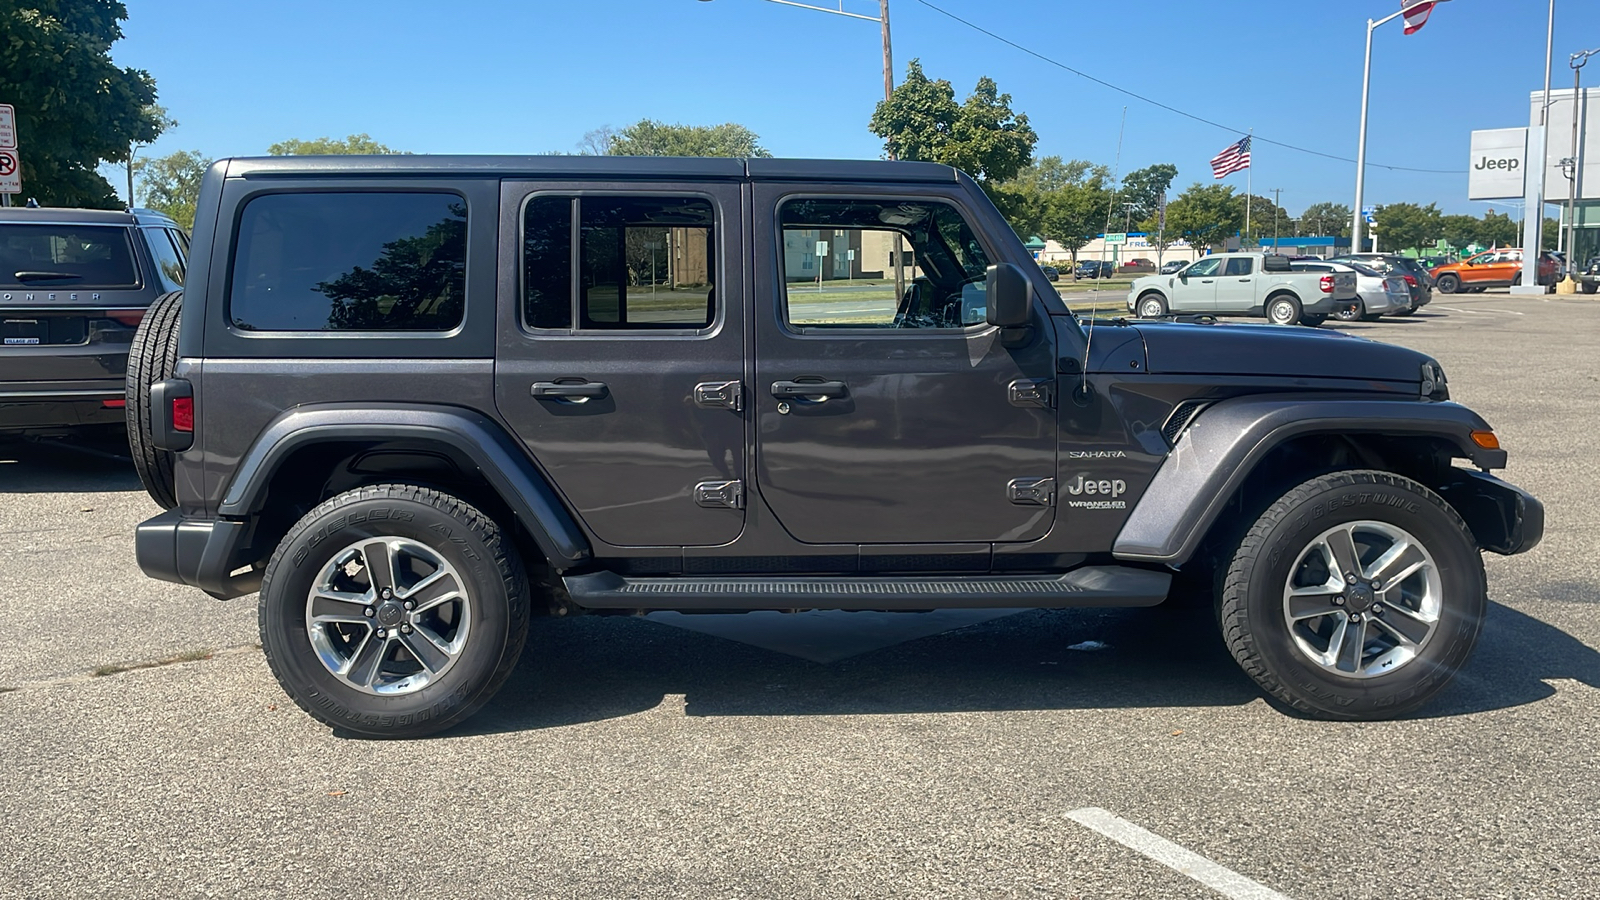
x: 1499, y: 168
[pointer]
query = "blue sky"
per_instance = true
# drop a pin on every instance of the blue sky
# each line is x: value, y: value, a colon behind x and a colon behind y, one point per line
x: 489, y: 76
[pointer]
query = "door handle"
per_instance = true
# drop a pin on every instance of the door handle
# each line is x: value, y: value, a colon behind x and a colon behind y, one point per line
x: 1243, y: 280
x: 813, y: 391
x: 1205, y: 281
x: 580, y: 392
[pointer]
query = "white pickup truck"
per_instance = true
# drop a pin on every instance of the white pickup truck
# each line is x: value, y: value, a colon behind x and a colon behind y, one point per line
x: 1244, y: 284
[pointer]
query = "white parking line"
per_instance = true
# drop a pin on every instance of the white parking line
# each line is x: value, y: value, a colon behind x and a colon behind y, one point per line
x: 1480, y: 312
x: 1224, y: 881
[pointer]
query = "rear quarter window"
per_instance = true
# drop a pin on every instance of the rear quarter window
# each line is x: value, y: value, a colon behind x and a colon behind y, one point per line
x: 356, y: 261
x: 43, y: 257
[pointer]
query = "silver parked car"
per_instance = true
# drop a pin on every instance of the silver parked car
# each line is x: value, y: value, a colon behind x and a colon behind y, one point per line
x: 1378, y: 294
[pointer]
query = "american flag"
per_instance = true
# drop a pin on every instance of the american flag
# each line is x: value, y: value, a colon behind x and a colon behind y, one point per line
x: 1417, y: 16
x: 1234, y: 159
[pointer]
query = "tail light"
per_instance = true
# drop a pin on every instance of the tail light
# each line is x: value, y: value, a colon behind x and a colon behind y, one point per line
x: 128, y: 317
x: 1326, y: 283
x: 184, y: 415
x: 114, y: 404
x: 1411, y: 280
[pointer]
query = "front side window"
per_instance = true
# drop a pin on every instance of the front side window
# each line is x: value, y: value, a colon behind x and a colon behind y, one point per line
x: 71, y: 257
x: 1204, y: 268
x: 364, y: 261
x: 841, y: 259
x: 643, y: 263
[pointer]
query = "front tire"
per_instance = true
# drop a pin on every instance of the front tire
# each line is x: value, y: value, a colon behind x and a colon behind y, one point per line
x: 1351, y: 313
x: 1283, y: 310
x: 393, y: 611
x: 1448, y: 284
x: 1301, y: 615
x: 1152, y: 306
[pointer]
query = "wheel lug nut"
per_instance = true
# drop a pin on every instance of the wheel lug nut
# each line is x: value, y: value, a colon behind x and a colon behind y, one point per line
x: 405, y: 629
x: 1355, y: 617
x: 1349, y: 579
x: 410, y: 605
x: 387, y: 593
x: 1377, y: 610
x: 369, y: 612
x: 1339, y: 600
x: 382, y: 633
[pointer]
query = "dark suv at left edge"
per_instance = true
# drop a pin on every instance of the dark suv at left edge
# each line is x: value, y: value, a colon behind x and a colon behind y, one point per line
x: 74, y: 285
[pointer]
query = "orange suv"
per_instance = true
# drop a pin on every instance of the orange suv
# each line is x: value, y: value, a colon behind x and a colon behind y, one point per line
x: 1491, y: 268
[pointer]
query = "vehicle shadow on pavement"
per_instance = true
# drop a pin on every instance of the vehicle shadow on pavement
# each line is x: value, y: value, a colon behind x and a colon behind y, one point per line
x: 592, y: 669
x: 1516, y: 658
x: 66, y: 466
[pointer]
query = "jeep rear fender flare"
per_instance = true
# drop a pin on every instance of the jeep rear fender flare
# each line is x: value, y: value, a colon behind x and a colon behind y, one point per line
x: 1215, y: 454
x: 463, y: 434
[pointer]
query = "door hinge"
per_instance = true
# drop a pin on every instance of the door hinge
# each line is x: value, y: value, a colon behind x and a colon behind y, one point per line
x: 719, y: 395
x: 720, y: 494
x: 1031, y: 491
x: 1039, y: 392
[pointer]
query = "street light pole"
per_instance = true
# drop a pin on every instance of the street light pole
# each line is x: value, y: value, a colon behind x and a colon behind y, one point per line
x: 1538, y: 159
x: 1576, y: 61
x: 1361, y: 146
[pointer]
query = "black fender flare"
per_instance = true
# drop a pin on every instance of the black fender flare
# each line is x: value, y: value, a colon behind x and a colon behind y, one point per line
x: 461, y: 433
x: 1215, y: 454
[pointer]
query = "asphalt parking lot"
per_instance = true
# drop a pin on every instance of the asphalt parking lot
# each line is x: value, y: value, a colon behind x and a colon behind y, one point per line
x: 631, y: 758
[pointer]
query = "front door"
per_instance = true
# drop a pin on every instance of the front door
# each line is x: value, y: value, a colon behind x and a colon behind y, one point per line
x: 1195, y: 291
x: 890, y: 414
x: 621, y: 353
x: 1236, y: 286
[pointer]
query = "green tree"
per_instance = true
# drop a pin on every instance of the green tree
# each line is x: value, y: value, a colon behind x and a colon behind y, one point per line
x: 648, y: 137
x: 75, y: 108
x: 171, y: 184
x: 1205, y: 215
x: 354, y: 145
x: 1144, y: 188
x: 1550, y: 235
x: 982, y: 137
x: 1264, y: 217
x: 1025, y: 199
x: 1459, y: 231
x: 1326, y: 220
x: 1074, y: 215
x: 1402, y: 226
x: 1499, y: 230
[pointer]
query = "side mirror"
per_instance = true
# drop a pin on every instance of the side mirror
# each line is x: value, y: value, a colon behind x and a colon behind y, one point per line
x: 1010, y: 296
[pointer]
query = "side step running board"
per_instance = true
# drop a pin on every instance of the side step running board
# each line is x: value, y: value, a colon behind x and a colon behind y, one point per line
x: 1088, y: 586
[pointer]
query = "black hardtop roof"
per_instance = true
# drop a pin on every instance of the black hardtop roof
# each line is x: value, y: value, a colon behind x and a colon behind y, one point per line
x: 577, y: 167
x: 57, y: 215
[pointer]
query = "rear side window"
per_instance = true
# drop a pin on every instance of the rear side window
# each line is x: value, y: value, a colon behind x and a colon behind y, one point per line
x: 350, y: 262
x: 642, y: 263
x: 1238, y: 266
x: 45, y: 257
x: 169, y: 259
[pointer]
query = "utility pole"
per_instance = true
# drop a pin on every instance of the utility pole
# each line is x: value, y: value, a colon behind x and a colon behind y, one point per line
x: 1276, y: 211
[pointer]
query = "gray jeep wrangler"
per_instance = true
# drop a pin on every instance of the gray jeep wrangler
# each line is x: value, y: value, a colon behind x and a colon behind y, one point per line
x: 414, y: 401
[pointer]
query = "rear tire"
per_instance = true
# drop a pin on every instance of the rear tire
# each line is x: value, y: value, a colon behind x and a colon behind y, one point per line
x: 1313, y: 321
x: 1351, y: 313
x: 1283, y: 309
x: 152, y: 357
x: 411, y: 660
x: 1326, y: 642
x: 1448, y: 284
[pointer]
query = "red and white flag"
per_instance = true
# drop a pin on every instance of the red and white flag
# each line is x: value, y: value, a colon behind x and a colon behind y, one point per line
x: 1417, y: 16
x: 1236, y: 158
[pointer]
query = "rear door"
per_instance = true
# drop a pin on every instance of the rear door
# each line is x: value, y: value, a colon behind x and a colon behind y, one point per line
x: 887, y: 416
x: 621, y: 361
x: 1195, y: 288
x: 1236, y: 285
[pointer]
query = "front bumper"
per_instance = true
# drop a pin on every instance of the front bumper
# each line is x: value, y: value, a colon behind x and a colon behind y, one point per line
x: 1503, y: 517
x: 203, y: 553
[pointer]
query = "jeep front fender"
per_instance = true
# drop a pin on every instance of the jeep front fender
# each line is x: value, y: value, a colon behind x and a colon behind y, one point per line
x: 1215, y: 454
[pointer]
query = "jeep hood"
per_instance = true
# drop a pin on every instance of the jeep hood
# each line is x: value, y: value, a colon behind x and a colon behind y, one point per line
x: 1178, y: 348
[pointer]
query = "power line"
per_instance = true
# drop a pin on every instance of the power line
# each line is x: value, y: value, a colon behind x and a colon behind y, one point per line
x: 1172, y: 109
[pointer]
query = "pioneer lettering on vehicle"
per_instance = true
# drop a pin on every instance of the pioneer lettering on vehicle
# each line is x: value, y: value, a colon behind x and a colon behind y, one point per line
x: 414, y: 401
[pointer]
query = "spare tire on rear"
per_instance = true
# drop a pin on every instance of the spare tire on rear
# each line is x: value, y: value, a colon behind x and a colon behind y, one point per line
x: 151, y: 358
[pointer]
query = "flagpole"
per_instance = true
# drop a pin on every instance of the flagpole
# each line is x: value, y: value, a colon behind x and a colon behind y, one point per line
x: 1247, y: 174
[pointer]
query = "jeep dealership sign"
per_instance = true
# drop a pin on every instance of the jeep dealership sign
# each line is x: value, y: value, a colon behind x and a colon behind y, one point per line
x: 1498, y: 164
